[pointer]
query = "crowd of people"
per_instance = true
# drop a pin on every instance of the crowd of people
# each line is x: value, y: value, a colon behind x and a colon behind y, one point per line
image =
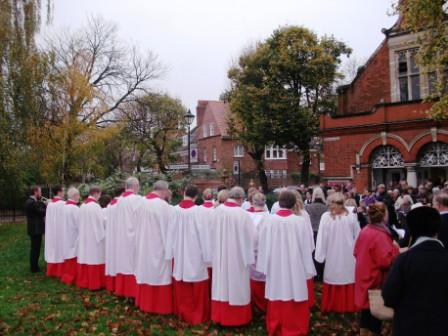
x: 224, y: 256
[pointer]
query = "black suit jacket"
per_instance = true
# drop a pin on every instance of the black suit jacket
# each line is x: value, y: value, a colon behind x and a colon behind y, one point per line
x: 443, y: 232
x: 35, y: 216
x: 417, y: 288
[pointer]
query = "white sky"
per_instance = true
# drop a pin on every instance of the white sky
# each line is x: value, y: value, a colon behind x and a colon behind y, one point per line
x: 198, y: 39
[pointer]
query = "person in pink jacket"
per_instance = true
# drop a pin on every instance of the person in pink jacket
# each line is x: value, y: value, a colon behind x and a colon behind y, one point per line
x: 374, y: 251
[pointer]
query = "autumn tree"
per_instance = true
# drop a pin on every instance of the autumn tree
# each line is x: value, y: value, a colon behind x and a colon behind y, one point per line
x: 429, y: 18
x: 154, y: 124
x: 92, y: 75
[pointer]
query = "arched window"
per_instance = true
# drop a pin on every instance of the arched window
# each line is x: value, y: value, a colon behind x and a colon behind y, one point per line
x: 434, y: 154
x: 387, y: 157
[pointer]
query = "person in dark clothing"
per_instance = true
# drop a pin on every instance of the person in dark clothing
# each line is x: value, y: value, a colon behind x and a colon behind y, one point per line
x: 441, y: 204
x: 417, y: 284
x: 382, y: 196
x: 35, y: 217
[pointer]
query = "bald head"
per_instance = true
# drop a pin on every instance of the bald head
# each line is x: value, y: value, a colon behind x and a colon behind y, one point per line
x: 73, y: 194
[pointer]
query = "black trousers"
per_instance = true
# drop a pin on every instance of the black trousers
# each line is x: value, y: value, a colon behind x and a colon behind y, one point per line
x: 36, y: 242
x: 370, y: 322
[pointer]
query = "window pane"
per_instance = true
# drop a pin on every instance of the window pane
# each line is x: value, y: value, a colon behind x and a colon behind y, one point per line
x: 413, y: 62
x: 402, y: 64
x: 274, y: 153
x: 268, y: 153
x: 415, y: 87
x: 404, y: 96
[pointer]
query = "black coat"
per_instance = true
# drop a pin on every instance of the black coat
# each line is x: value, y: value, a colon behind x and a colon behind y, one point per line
x: 417, y: 289
x: 35, y: 216
x: 443, y: 232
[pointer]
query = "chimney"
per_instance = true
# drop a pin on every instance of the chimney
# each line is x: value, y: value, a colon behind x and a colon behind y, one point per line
x: 200, y: 110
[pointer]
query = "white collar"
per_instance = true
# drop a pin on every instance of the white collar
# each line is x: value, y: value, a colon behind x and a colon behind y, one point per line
x: 423, y: 239
x: 444, y: 212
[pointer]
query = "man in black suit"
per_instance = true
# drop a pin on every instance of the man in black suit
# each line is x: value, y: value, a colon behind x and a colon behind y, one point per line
x: 417, y: 284
x: 35, y: 217
x: 441, y: 203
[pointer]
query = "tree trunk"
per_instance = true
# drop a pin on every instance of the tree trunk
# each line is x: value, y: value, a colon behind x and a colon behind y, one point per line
x: 262, y: 175
x: 160, y: 161
x: 305, y: 173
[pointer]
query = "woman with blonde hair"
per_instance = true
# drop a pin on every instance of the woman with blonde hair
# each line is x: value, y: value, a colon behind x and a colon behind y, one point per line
x: 338, y: 231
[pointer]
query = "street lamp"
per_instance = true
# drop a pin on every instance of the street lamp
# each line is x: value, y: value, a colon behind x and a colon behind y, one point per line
x: 189, y: 117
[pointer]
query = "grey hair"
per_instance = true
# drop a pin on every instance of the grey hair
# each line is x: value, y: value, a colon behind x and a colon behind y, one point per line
x: 318, y: 193
x: 259, y: 199
x: 131, y: 182
x: 72, y: 192
x: 237, y: 193
x: 160, y: 185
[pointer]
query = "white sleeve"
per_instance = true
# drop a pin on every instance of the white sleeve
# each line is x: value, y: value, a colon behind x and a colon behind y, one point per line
x: 321, y: 241
x: 202, y: 229
x: 246, y: 240
x: 169, y: 230
x: 307, y: 247
x: 98, y: 228
x: 263, y: 246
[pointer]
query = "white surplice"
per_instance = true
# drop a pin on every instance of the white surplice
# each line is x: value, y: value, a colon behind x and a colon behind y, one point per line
x: 110, y: 239
x: 232, y: 254
x: 283, y: 253
x: 257, y: 218
x: 125, y: 213
x: 334, y: 246
x: 91, y: 242
x: 275, y: 208
x: 188, y: 244
x: 151, y: 267
x: 70, y: 220
x: 54, y: 251
x: 309, y: 265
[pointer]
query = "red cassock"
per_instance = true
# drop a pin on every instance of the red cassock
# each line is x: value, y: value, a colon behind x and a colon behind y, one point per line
x: 110, y: 245
x: 338, y: 298
x: 192, y: 301
x: 287, y: 318
x: 70, y: 222
x: 55, y: 269
x: 69, y: 271
x: 90, y: 276
x: 54, y: 237
x: 257, y: 289
x: 125, y: 285
x: 374, y: 253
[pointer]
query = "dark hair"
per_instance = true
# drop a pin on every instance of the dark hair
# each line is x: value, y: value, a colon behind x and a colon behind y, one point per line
x: 94, y: 190
x: 191, y: 191
x: 287, y: 199
x: 33, y: 189
x: 423, y: 221
x: 104, y: 200
x: 376, y: 212
x: 119, y: 190
x: 57, y: 189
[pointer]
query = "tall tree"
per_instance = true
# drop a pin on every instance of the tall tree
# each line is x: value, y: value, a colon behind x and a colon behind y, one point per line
x: 154, y: 123
x: 302, y: 70
x: 430, y: 18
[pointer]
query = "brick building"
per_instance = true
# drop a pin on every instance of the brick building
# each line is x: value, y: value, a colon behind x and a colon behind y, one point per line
x: 213, y: 149
x: 380, y: 132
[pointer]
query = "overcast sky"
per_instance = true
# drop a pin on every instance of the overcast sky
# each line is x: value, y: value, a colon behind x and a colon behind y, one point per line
x: 198, y: 39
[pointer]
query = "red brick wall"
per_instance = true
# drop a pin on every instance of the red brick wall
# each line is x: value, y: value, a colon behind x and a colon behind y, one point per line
x: 370, y: 87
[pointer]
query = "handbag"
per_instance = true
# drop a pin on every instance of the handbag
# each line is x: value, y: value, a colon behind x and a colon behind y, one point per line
x: 377, y: 307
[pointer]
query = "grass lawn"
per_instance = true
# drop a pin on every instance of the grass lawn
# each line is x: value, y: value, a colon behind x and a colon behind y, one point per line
x: 32, y: 304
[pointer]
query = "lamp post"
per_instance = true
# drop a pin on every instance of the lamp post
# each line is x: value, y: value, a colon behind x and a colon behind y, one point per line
x: 189, y: 117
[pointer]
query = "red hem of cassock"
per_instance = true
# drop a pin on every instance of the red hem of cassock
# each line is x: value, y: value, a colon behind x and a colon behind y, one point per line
x: 231, y: 316
x: 55, y: 269
x: 90, y: 276
x: 257, y: 291
x: 69, y: 271
x: 125, y: 285
x: 287, y: 318
x: 192, y: 301
x: 155, y: 299
x: 311, y: 295
x: 338, y: 298
x: 110, y: 283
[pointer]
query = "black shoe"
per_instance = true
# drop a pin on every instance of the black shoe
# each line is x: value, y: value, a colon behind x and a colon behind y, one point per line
x: 36, y: 270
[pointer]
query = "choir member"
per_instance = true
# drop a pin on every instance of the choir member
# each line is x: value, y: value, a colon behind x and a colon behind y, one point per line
x: 110, y: 240
x: 374, y: 251
x: 207, y: 196
x: 91, y: 243
x: 188, y: 246
x: 338, y: 231
x: 232, y: 254
x: 53, y: 235
x: 257, y: 279
x: 222, y: 197
x: 284, y: 251
x: 125, y: 239
x: 153, y: 271
x: 70, y: 224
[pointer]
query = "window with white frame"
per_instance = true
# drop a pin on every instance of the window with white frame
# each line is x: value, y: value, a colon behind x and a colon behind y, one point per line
x: 408, y: 75
x: 275, y: 153
x: 214, y: 154
x: 238, y: 150
x: 204, y: 155
x: 185, y: 141
x: 204, y: 131
x: 211, y: 129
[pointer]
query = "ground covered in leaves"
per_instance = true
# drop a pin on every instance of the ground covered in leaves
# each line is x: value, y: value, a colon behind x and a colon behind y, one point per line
x: 32, y: 304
